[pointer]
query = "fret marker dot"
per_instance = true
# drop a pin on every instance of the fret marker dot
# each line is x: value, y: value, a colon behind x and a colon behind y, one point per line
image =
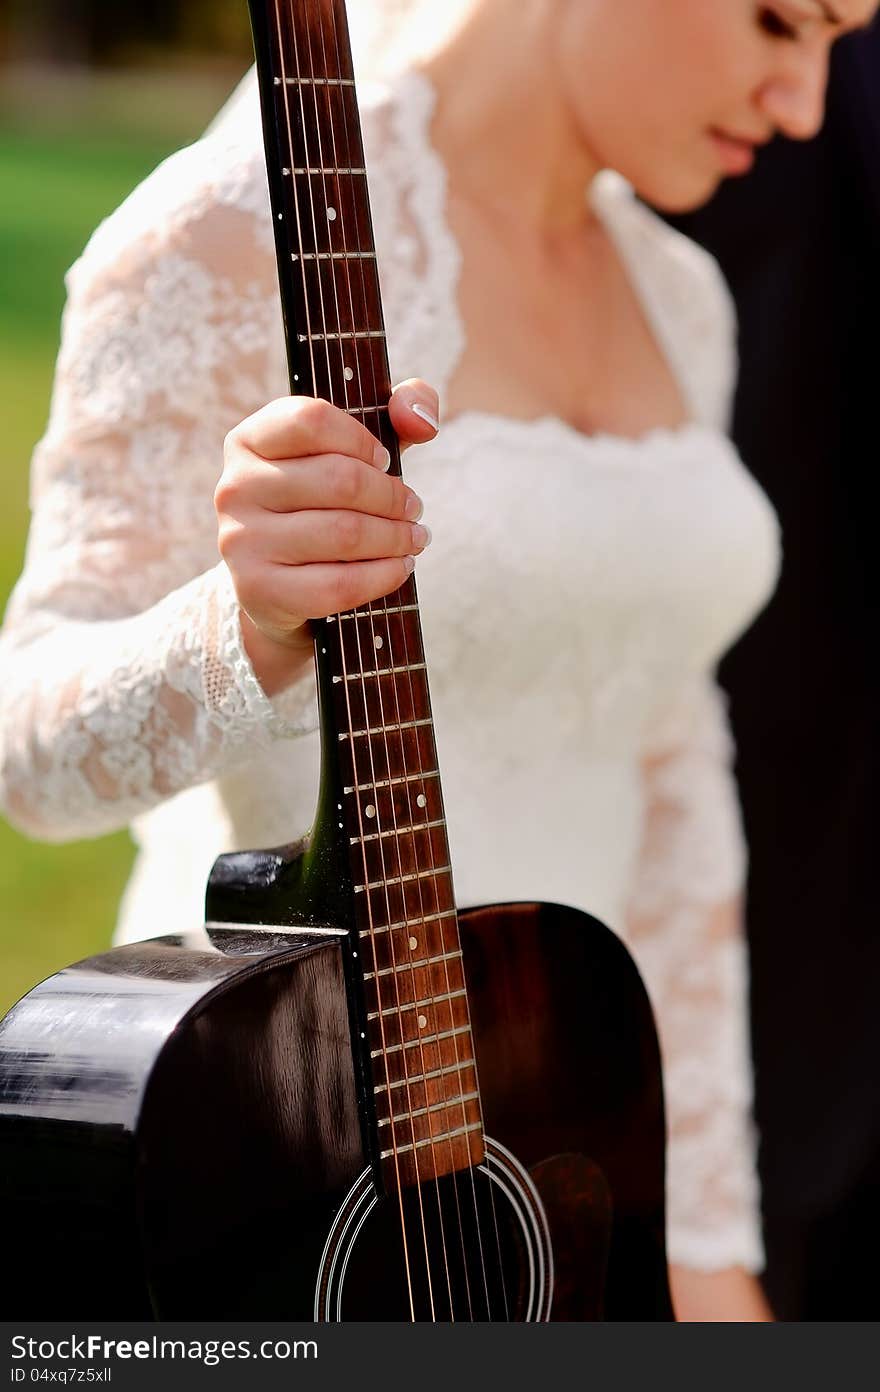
x: 378, y: 641
x: 331, y: 214
x: 371, y: 811
x: 296, y: 376
x: 423, y: 1020
x: 280, y: 217
x: 340, y: 826
x: 348, y: 374
x: 422, y: 800
x: 413, y: 944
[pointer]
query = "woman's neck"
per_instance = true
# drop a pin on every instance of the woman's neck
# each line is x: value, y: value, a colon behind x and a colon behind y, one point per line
x: 502, y: 126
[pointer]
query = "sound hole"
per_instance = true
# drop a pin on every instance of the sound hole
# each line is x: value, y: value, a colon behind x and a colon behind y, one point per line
x: 468, y: 1247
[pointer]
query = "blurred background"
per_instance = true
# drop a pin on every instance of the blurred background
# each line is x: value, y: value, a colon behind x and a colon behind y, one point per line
x: 93, y: 94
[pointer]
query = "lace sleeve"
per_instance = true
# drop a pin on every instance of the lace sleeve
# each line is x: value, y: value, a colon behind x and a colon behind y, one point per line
x: 125, y: 677
x: 685, y: 927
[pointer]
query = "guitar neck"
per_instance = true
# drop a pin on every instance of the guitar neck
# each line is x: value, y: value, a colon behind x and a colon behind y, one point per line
x: 386, y: 810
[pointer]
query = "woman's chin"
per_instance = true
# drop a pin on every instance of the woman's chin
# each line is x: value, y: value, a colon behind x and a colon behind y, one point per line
x: 680, y: 193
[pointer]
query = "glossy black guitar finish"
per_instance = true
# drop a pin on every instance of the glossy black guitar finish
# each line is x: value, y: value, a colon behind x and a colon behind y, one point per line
x: 181, y: 1131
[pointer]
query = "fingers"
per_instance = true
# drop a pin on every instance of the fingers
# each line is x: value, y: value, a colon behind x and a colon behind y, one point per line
x: 309, y: 521
x: 294, y: 426
x: 304, y: 538
x: 314, y: 591
x: 319, y: 481
x: 415, y: 412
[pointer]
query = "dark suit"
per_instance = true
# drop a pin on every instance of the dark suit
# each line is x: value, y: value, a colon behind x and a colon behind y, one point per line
x: 799, y: 241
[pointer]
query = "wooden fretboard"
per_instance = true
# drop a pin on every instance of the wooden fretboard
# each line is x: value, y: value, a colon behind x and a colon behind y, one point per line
x: 390, y: 809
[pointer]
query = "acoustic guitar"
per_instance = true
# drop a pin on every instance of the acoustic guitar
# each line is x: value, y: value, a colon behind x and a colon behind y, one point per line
x: 343, y: 1100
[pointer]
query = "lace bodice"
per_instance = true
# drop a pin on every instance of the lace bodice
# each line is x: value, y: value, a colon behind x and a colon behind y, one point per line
x: 575, y: 600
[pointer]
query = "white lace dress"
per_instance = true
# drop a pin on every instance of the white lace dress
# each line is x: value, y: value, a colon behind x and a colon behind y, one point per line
x: 571, y: 629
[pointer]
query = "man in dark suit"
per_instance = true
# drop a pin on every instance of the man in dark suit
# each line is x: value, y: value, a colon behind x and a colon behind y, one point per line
x: 799, y: 241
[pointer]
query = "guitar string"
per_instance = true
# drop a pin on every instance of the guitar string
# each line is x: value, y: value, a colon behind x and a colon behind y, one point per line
x: 397, y: 835
x: 282, y: 82
x: 403, y: 625
x: 346, y: 247
x: 383, y: 610
x: 312, y: 74
x: 455, y: 1038
x: 292, y: 156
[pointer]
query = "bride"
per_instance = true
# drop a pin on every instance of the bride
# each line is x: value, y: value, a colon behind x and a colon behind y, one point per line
x: 597, y: 542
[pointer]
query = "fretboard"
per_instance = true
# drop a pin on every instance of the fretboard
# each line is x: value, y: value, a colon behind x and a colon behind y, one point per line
x: 371, y: 664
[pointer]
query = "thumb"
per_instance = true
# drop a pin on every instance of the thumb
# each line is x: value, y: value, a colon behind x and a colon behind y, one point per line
x: 414, y: 411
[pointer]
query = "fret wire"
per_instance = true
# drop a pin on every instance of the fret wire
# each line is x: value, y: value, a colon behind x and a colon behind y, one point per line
x: 434, y: 1107
x: 403, y: 879
x: 384, y: 672
x: 339, y: 337
x: 415, y: 1005
x: 412, y: 966
x: 334, y: 256
x: 396, y: 831
x: 316, y: 81
x: 363, y: 614
x: 385, y: 729
x: 431, y: 1140
x: 391, y: 782
x: 300, y: 169
x: 425, y: 1039
x: 409, y: 922
x: 426, y: 1077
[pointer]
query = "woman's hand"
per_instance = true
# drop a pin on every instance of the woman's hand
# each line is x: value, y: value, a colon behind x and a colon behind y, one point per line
x: 309, y: 522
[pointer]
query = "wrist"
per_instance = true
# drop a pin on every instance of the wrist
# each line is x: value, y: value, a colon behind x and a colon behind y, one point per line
x: 276, y: 665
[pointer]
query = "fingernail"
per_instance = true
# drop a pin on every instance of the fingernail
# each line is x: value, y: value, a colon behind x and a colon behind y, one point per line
x: 424, y: 415
x: 421, y: 536
x: 382, y: 458
x: 409, y: 564
x: 414, y: 508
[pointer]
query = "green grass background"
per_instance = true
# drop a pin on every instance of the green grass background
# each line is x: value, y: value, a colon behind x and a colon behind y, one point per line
x: 69, y: 153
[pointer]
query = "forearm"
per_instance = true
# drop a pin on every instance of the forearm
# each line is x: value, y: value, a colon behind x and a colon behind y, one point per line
x: 99, y: 721
x: 276, y: 666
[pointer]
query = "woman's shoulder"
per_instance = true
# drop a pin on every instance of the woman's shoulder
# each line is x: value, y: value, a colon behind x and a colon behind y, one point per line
x: 219, y: 182
x: 188, y: 205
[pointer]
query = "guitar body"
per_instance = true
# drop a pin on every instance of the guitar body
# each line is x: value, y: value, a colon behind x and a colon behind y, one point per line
x: 183, y: 1134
